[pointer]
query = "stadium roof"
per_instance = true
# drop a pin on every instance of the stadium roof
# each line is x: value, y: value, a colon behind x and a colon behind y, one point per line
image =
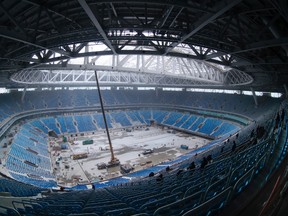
x: 248, y: 36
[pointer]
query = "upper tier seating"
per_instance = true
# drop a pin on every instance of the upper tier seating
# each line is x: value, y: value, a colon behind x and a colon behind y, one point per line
x: 12, y: 104
x: 89, y: 123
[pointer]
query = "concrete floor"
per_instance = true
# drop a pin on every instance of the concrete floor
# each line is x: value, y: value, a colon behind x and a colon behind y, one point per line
x: 128, y: 148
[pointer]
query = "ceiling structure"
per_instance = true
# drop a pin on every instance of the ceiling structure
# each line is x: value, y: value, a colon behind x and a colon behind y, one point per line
x: 134, y: 70
x: 248, y: 36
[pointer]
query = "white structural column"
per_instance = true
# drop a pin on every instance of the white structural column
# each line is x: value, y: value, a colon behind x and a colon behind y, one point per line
x: 254, y: 96
x: 23, y: 95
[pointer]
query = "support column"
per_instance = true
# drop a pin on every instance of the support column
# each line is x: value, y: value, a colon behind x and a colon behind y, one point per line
x: 86, y: 58
x: 157, y: 89
x: 254, y: 96
x: 23, y: 95
x: 286, y: 90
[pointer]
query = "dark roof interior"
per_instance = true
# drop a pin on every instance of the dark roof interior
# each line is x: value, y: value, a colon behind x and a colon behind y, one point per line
x: 250, y: 35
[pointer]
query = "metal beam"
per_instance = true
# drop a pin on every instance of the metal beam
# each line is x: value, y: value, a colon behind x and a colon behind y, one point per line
x: 130, y: 52
x: 115, y: 13
x: 275, y: 31
x: 175, y: 18
x: 152, y: 43
x: 80, y: 47
x: 140, y: 21
x: 108, y: 77
x: 51, y: 20
x: 168, y: 12
x: 37, y: 22
x: 215, y: 55
x: 253, y: 46
x: 20, y: 60
x: 270, y: 61
x: 36, y: 3
x: 13, y: 36
x: 184, y: 4
x: 161, y: 66
x: 220, y: 9
x: 12, y: 19
x: 92, y: 17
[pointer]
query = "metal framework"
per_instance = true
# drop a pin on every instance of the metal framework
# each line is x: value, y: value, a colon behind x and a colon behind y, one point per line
x: 134, y: 70
x: 248, y: 36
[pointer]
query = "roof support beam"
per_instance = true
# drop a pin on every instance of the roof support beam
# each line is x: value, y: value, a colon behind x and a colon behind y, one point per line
x: 215, y: 55
x: 253, y: 46
x: 270, y: 61
x: 37, y: 22
x: 115, y: 13
x: 167, y: 14
x: 140, y: 21
x: 219, y: 9
x: 175, y: 18
x: 194, y: 50
x: 12, y: 19
x: 264, y: 44
x: 16, y: 37
x: 92, y: 17
x: 80, y: 47
x: 51, y: 20
x: 36, y: 3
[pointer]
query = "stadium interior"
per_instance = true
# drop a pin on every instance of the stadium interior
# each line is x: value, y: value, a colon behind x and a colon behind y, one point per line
x: 115, y: 107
